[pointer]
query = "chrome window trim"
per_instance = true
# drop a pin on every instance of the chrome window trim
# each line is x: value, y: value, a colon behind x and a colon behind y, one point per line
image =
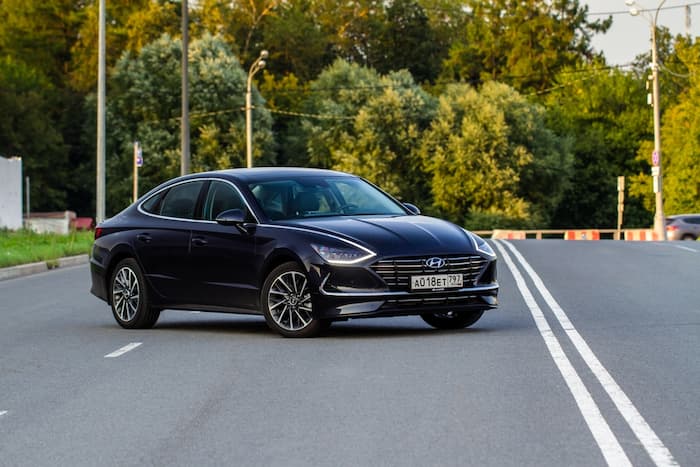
x: 191, y: 180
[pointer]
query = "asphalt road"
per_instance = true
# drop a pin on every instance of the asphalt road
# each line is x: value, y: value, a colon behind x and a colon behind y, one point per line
x: 592, y: 359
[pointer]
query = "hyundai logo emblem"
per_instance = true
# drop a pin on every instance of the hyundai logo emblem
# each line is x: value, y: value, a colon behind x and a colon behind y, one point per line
x: 435, y: 263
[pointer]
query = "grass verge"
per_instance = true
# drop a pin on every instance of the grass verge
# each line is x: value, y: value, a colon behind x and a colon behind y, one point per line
x: 23, y: 246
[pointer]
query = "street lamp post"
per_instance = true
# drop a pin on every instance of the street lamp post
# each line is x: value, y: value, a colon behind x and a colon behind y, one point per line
x: 257, y: 65
x: 659, y: 219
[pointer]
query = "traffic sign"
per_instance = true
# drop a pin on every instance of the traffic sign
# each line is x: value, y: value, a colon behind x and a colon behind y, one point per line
x: 138, y: 154
x: 655, y: 158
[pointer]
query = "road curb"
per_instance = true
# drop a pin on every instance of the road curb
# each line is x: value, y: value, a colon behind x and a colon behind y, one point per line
x: 35, y: 268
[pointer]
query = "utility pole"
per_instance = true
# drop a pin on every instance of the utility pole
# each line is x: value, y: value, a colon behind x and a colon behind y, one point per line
x: 657, y: 177
x: 620, y: 205
x: 101, y: 128
x: 656, y: 172
x: 138, y: 162
x: 185, y: 122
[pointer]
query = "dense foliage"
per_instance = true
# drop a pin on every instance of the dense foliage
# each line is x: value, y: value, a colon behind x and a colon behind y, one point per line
x: 491, y: 113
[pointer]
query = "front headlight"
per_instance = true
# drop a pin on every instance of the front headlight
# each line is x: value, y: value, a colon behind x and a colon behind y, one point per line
x: 342, y: 255
x: 481, y: 245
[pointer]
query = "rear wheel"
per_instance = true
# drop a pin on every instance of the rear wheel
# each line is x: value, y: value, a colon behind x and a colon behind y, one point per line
x: 129, y: 297
x: 688, y: 237
x: 452, y: 319
x: 286, y: 302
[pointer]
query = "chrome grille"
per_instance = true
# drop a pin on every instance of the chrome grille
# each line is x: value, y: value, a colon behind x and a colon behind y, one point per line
x: 397, y: 272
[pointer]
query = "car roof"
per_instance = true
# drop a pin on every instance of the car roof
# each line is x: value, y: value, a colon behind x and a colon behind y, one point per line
x: 264, y: 174
x: 682, y: 216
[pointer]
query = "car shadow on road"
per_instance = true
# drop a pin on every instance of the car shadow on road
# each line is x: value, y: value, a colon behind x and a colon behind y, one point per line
x: 397, y: 327
x: 360, y: 328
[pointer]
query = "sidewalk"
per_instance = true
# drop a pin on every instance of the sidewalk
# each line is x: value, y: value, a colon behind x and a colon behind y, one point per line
x: 42, y: 266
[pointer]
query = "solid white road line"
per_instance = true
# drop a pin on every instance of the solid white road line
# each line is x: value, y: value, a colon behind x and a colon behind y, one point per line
x: 607, y: 442
x: 680, y: 247
x: 123, y: 350
x: 656, y: 449
x: 685, y: 248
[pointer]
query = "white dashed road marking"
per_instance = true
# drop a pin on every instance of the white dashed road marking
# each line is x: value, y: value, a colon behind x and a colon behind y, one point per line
x: 2, y: 412
x: 656, y: 449
x: 123, y: 350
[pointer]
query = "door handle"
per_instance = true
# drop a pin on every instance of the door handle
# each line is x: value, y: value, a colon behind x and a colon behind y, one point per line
x: 145, y: 238
x: 199, y: 241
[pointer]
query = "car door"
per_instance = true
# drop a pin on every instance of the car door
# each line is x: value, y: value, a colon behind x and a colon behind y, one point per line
x: 694, y: 223
x: 222, y: 258
x: 163, y: 244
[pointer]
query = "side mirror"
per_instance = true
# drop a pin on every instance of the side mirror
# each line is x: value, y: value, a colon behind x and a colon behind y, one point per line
x: 412, y: 208
x: 235, y: 217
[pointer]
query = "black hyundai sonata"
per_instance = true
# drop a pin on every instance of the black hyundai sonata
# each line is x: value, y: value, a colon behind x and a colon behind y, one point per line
x: 303, y: 247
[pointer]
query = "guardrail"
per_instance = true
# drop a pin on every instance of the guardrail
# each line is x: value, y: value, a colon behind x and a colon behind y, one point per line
x: 570, y: 234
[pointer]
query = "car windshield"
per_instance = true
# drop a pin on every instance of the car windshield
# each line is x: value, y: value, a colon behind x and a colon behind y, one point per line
x: 305, y: 197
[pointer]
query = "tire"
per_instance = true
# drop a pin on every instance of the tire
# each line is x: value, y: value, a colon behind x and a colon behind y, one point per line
x: 688, y: 237
x: 286, y: 302
x: 452, y: 319
x: 129, y: 297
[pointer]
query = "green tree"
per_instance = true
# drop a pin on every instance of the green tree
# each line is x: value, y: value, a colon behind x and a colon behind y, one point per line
x: 546, y: 178
x: 28, y: 130
x: 382, y: 144
x: 410, y: 43
x: 377, y: 129
x: 680, y: 144
x: 605, y: 114
x: 130, y: 25
x: 146, y: 107
x: 335, y: 99
x: 484, y: 149
x: 40, y: 33
x: 521, y: 43
x: 297, y: 43
x: 239, y: 22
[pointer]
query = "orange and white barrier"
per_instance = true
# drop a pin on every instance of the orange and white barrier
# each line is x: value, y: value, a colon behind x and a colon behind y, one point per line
x: 509, y: 234
x: 590, y: 234
x: 641, y: 235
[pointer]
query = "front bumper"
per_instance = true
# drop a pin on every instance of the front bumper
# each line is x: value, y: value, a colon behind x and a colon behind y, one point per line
x: 383, y: 288
x: 369, y: 304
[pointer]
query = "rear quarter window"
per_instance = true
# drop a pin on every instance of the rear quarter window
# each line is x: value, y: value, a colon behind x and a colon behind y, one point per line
x: 152, y: 204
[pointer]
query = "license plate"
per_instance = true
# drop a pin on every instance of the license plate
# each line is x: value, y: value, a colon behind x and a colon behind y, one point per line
x: 436, y: 281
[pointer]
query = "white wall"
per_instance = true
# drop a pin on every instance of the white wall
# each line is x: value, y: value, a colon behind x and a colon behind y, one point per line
x: 11, y: 193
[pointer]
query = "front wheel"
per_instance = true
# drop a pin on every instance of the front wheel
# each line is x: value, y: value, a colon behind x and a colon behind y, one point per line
x: 129, y: 297
x: 286, y: 302
x: 452, y: 319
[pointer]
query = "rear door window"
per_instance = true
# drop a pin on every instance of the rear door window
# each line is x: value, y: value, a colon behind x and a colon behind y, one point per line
x: 181, y: 200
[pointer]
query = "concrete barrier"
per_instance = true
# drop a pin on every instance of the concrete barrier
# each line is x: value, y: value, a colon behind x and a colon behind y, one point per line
x: 508, y: 234
x: 589, y: 234
x: 50, y: 222
x: 640, y: 235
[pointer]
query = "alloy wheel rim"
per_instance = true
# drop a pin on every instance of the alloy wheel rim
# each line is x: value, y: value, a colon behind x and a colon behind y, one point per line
x: 289, y: 301
x: 126, y: 294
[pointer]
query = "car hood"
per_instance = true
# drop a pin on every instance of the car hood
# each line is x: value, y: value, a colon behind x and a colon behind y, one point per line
x: 396, y: 235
